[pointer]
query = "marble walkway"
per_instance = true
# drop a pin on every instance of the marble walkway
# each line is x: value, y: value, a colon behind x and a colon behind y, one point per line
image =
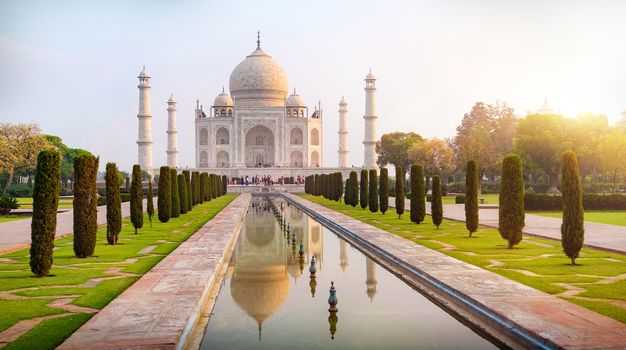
x: 156, y: 311
x: 15, y: 235
x: 556, y: 322
x: 603, y: 236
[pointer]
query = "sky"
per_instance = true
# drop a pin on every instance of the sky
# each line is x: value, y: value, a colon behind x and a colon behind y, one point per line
x: 72, y: 66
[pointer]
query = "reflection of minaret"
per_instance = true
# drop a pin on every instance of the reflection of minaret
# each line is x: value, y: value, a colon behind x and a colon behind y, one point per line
x: 316, y: 241
x: 371, y: 280
x: 343, y: 254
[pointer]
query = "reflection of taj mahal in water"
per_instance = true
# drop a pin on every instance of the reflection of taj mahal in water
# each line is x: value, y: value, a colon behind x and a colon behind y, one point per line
x: 264, y: 261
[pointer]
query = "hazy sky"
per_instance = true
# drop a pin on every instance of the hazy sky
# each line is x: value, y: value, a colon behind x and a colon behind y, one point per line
x: 71, y: 66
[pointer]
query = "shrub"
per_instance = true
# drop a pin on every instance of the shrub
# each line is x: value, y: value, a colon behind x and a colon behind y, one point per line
x: 136, y: 199
x: 188, y: 189
x: 572, y: 229
x: 164, y: 202
x: 591, y: 201
x: 399, y: 192
x: 150, y: 201
x: 511, y: 208
x: 175, y: 195
x: 195, y: 185
x: 113, y: 202
x: 215, y: 188
x: 363, y: 189
x: 225, y: 184
x: 418, y: 196
x: 471, y: 197
x: 182, y: 193
x: 45, y: 204
x: 383, y: 191
x: 436, y: 205
x: 85, y: 205
x: 339, y: 186
x: 20, y: 190
x: 209, y: 187
x: 459, y: 199
x: 8, y: 203
x: 373, y: 191
x: 316, y: 185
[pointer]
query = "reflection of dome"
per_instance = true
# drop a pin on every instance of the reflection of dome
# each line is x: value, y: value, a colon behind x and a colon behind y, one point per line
x: 223, y: 100
x: 260, y: 291
x: 259, y: 81
x: 294, y: 100
x: 259, y: 230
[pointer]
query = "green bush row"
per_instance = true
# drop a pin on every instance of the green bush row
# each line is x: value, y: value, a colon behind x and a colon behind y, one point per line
x: 591, y: 201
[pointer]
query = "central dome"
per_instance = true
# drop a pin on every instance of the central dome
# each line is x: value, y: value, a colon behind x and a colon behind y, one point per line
x: 259, y: 81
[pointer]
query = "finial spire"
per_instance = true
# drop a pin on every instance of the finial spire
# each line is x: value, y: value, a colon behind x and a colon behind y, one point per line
x: 258, y: 39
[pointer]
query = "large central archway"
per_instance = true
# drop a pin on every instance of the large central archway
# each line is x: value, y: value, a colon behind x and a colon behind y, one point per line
x: 259, y: 147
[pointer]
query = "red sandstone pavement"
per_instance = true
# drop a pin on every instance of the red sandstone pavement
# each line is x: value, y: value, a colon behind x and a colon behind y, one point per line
x: 603, y: 236
x: 15, y: 235
x: 155, y: 311
x: 552, y: 318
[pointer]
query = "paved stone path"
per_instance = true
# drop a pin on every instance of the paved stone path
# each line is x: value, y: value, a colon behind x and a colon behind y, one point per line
x: 603, y: 236
x: 155, y: 311
x: 15, y: 235
x: 548, y: 317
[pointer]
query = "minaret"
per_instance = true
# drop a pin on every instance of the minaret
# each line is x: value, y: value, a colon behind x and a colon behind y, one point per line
x: 172, y: 134
x: 371, y: 281
x: 343, y: 134
x: 369, y: 140
x: 144, y: 138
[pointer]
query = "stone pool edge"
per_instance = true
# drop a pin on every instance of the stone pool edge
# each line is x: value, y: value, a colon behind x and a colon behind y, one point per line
x: 160, y: 310
x: 488, y: 311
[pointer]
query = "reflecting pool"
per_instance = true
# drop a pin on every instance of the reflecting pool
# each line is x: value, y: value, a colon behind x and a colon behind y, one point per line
x: 269, y: 300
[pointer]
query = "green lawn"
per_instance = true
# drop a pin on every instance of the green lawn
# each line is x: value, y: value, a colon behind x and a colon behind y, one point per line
x: 27, y: 203
x: 539, y: 263
x: 10, y: 217
x: 69, y: 276
x: 603, y: 217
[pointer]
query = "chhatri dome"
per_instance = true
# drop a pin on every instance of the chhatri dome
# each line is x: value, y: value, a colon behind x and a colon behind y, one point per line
x: 545, y: 109
x: 223, y: 100
x: 294, y: 100
x: 259, y: 81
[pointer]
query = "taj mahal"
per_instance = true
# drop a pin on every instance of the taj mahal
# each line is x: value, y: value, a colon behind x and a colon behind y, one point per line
x: 259, y: 128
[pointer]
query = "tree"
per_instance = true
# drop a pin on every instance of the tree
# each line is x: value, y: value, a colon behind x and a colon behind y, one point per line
x: 85, y: 205
x: 316, y: 185
x: 150, y: 201
x: 224, y: 184
x: 418, y: 195
x: 471, y: 197
x: 114, y: 203
x: 194, y: 187
x: 383, y: 190
x: 393, y: 148
x: 67, y: 159
x: 399, y: 192
x: 164, y: 202
x: 363, y: 188
x: 373, y: 191
x: 435, y: 155
x: 45, y: 204
x: 612, y: 149
x: 436, y: 205
x: 182, y: 193
x: 338, y: 186
x: 572, y: 229
x: 204, y: 187
x: 188, y: 189
x: 209, y: 186
x: 136, y: 198
x: 175, y: 195
x: 511, y: 208
x: 20, y: 144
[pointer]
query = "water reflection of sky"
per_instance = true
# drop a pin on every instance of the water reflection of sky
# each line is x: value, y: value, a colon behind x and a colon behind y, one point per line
x: 266, y: 301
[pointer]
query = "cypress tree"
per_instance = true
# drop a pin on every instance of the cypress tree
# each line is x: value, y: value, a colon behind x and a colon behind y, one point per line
x: 214, y: 188
x: 150, y: 201
x: 175, y: 195
x: 136, y: 199
x: 511, y: 208
x: 204, y: 187
x: 182, y: 193
x: 85, y: 205
x: 436, y: 205
x: 418, y: 196
x: 317, y: 186
x: 572, y: 229
x: 373, y: 191
x: 363, y: 185
x: 471, y: 197
x: 45, y: 203
x: 354, y: 191
x: 339, y: 188
x: 399, y: 192
x: 224, y: 184
x: 194, y: 188
x: 114, y: 203
x: 188, y: 189
x: 209, y: 185
x: 164, y: 202
x: 383, y: 190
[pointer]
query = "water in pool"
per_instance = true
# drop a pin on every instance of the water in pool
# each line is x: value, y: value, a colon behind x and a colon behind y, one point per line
x: 269, y: 301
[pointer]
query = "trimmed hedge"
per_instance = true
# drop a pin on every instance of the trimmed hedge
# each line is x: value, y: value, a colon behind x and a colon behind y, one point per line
x: 136, y: 199
x: 363, y: 194
x: 459, y: 199
x: 591, y: 201
x: 164, y: 202
x: 113, y: 202
x: 182, y: 193
x: 175, y: 195
x: 85, y: 205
